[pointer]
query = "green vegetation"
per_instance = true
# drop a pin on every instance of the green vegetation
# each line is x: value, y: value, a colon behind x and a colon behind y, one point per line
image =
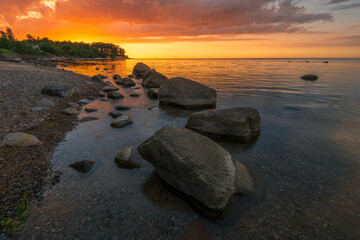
x: 5, y: 51
x: 12, y: 224
x: 44, y: 46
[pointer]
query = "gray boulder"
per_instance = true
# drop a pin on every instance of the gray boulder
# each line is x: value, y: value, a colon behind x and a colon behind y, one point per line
x: 153, y: 79
x: 58, y: 90
x: 109, y: 88
x: 235, y: 124
x: 19, y: 139
x: 310, y: 77
x: 140, y: 69
x: 128, y: 158
x: 193, y: 164
x: 121, y: 121
x: 153, y: 93
x: 83, y: 166
x: 115, y: 95
x: 186, y: 93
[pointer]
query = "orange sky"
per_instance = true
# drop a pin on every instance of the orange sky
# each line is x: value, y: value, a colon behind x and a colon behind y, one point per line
x: 196, y: 28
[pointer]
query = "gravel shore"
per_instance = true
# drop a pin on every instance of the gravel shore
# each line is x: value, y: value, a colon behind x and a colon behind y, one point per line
x: 28, y: 170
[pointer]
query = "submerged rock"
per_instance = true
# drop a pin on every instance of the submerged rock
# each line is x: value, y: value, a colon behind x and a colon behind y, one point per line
x: 83, y: 166
x: 19, y: 139
x: 115, y: 114
x: 193, y: 164
x: 115, y: 95
x: 140, y: 69
x: 235, y: 124
x: 109, y: 88
x: 97, y: 68
x: 153, y: 79
x: 153, y: 93
x: 70, y: 112
x: 57, y: 90
x: 121, y: 107
x: 186, y: 93
x: 135, y: 94
x: 310, y: 77
x: 128, y: 158
x: 121, y: 121
x: 88, y: 119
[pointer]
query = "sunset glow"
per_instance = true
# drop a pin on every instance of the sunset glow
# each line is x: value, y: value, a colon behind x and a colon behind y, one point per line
x: 195, y: 29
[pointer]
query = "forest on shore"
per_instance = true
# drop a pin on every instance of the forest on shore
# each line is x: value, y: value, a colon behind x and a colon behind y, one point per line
x: 44, y: 46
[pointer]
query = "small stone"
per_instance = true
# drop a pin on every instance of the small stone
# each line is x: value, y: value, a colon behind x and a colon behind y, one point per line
x: 153, y: 93
x: 109, y: 88
x: 84, y: 101
x: 97, y: 68
x: 91, y: 110
x: 116, y: 76
x: 121, y: 107
x: 70, y: 111
x: 121, y: 121
x: 103, y: 76
x: 115, y: 114
x: 46, y: 102
x: 72, y: 105
x: 135, y: 94
x: 19, y: 139
x: 39, y: 108
x: 115, y: 95
x: 83, y: 166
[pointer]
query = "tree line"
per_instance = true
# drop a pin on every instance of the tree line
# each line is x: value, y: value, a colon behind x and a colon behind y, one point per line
x: 44, y: 46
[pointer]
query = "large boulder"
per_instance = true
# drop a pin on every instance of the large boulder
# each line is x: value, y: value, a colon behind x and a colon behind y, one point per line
x: 186, y: 93
x: 58, y: 90
x: 235, y: 124
x: 194, y: 165
x: 140, y: 69
x: 19, y: 139
x: 153, y: 79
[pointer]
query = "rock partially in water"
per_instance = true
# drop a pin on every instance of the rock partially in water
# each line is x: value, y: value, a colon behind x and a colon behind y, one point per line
x: 96, y: 78
x: 121, y: 107
x: 131, y: 76
x: 140, y: 69
x: 57, y: 90
x: 116, y: 76
x: 107, y: 83
x: 326, y: 61
x: 46, y: 102
x: 103, y: 76
x: 121, y: 121
x: 153, y: 79
x: 109, y: 88
x: 241, y: 125
x: 70, y: 112
x: 84, y: 101
x: 194, y: 165
x: 19, y: 139
x: 83, y: 166
x: 102, y: 94
x: 106, y: 69
x: 128, y: 158
x: 115, y: 114
x: 97, y: 68
x: 126, y: 82
x: 45, y: 62
x: 153, y: 93
x: 186, y: 93
x: 89, y: 110
x: 115, y: 95
x: 135, y: 94
x: 243, y: 181
x: 88, y: 119
x: 310, y: 77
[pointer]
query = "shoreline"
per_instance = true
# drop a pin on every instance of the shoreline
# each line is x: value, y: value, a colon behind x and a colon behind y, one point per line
x: 26, y: 172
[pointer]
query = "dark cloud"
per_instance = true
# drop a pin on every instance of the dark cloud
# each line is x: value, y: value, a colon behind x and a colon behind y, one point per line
x: 349, y: 6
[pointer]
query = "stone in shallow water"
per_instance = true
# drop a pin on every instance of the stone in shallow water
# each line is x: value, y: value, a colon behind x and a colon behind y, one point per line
x: 19, y: 139
x: 121, y: 121
x: 84, y: 101
x: 102, y: 94
x: 83, y: 166
x: 116, y: 76
x: 109, y: 88
x: 121, y: 107
x: 126, y: 82
x: 89, y: 110
x: 310, y: 77
x: 115, y: 114
x: 135, y: 94
x: 153, y: 79
x: 140, y: 69
x: 87, y: 119
x: 234, y: 124
x: 128, y: 158
x: 115, y: 95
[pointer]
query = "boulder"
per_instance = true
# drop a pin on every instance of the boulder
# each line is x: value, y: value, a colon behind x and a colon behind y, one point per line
x: 121, y: 107
x: 89, y: 110
x: 193, y: 164
x: 116, y: 76
x: 153, y: 93
x: 235, y: 124
x: 46, y: 102
x: 109, y: 88
x: 121, y: 121
x: 58, y: 90
x: 153, y: 79
x: 135, y: 94
x: 19, y: 139
x: 128, y: 158
x: 70, y: 112
x: 115, y: 114
x: 310, y: 77
x: 186, y: 93
x: 115, y: 95
x: 126, y: 82
x: 83, y: 166
x: 140, y: 69
x: 88, y: 119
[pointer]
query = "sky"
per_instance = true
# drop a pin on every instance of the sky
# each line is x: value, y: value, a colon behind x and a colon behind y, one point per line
x: 196, y: 28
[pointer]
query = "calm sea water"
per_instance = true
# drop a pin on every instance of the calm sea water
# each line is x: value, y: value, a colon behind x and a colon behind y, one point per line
x: 306, y: 161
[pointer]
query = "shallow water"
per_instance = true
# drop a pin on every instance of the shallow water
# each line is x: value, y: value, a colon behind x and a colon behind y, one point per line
x: 305, y: 162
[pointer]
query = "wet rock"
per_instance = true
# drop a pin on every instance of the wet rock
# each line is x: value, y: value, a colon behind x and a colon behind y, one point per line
x: 109, y: 88
x: 126, y: 82
x: 103, y: 76
x: 128, y: 158
x: 102, y: 94
x: 153, y: 79
x: 70, y: 112
x: 106, y: 69
x: 135, y: 87
x: 97, y: 68
x: 326, y: 61
x: 135, y: 94
x: 89, y: 110
x: 96, y: 78
x: 116, y: 76
x: 84, y: 101
x: 186, y: 93
x: 235, y: 124
x: 58, y: 90
x: 83, y: 166
x: 19, y: 139
x: 121, y: 107
x: 88, y: 119
x: 121, y: 121
x: 243, y: 181
x: 115, y: 95
x: 140, y: 69
x: 310, y: 77
x: 46, y: 102
x: 115, y: 114
x: 193, y: 164
x: 106, y: 100
x: 153, y: 93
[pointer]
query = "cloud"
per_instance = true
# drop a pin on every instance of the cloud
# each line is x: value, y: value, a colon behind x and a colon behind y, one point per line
x: 337, y: 1
x: 348, y: 6
x: 354, y: 26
